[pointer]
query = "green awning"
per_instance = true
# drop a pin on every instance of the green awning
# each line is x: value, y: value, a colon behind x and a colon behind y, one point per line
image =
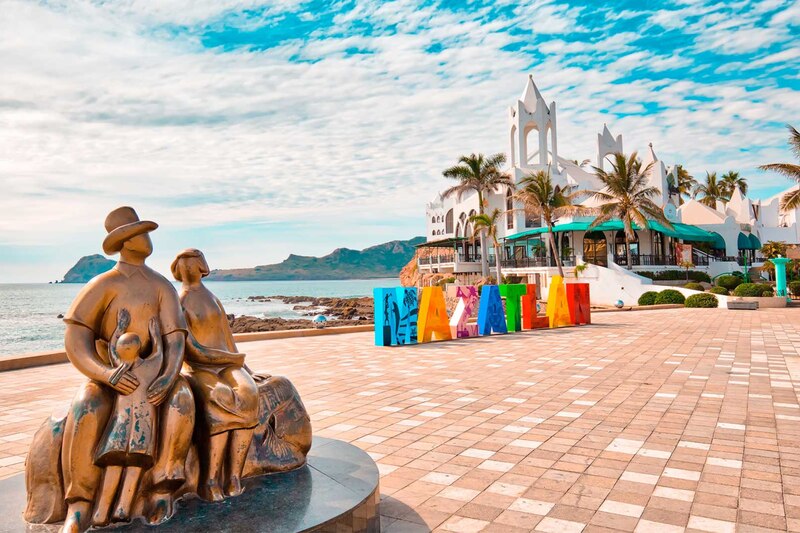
x: 719, y: 242
x: 526, y: 233
x: 754, y: 242
x: 743, y: 242
x: 686, y: 232
x: 569, y: 226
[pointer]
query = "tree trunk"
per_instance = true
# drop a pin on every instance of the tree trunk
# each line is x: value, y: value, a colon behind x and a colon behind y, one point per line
x: 484, y: 245
x: 554, y: 252
x: 628, y: 252
x: 497, y: 262
x: 484, y: 255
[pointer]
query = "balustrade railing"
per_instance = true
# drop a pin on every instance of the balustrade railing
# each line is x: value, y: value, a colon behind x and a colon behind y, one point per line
x: 646, y: 260
x: 531, y: 262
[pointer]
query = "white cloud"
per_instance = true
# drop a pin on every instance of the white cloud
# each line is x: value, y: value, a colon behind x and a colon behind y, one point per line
x: 97, y: 110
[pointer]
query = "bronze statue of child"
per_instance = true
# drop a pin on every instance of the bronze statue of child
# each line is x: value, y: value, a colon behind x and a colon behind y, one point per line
x: 128, y: 445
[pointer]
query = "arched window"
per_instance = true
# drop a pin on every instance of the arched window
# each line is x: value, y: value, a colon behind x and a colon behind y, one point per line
x: 448, y: 222
x: 595, y: 249
x: 566, y: 249
x: 658, y: 244
x: 621, y: 252
x: 433, y: 220
x: 509, y: 210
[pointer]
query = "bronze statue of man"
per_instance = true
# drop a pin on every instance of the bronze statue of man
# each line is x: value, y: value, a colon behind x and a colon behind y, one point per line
x: 124, y: 300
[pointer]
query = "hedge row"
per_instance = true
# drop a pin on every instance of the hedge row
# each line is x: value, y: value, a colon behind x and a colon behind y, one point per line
x: 667, y: 296
x: 674, y: 275
x: 753, y: 289
x: 702, y: 300
x: 794, y: 287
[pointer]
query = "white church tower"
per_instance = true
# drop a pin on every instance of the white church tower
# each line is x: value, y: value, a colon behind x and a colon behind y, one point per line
x: 529, y: 113
x: 607, y: 144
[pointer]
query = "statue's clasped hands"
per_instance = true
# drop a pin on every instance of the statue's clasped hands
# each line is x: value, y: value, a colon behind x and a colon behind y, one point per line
x: 120, y: 378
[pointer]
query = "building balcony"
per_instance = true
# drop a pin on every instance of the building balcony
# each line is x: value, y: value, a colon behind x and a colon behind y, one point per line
x: 536, y: 262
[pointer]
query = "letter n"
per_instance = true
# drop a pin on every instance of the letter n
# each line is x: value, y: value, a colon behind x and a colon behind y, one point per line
x: 578, y: 299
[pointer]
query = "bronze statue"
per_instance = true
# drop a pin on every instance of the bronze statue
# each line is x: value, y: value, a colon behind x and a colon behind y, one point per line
x: 226, y: 392
x: 129, y: 446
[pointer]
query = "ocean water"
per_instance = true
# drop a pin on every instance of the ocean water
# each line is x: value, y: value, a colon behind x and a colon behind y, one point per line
x: 29, y: 312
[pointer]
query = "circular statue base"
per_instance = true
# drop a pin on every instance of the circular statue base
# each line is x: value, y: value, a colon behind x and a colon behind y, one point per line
x: 337, y: 491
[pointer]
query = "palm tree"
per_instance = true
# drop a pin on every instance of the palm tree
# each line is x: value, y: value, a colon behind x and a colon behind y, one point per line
x: 790, y: 200
x: 712, y: 191
x: 481, y: 174
x: 686, y: 183
x: 489, y: 223
x: 731, y: 181
x: 542, y: 198
x: 627, y: 196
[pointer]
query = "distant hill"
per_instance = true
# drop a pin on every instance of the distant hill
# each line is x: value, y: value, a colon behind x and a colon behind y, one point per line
x: 381, y: 261
x: 88, y: 267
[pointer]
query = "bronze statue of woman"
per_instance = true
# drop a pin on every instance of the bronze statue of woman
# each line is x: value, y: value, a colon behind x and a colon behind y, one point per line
x: 225, y: 390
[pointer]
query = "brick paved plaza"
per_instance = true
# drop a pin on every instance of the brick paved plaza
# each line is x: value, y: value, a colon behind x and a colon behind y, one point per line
x: 645, y: 421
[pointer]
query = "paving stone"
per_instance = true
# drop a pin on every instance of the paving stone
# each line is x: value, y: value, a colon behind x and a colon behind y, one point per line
x: 648, y: 421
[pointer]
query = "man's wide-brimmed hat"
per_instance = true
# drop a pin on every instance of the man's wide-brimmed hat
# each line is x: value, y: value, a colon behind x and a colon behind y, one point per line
x: 122, y: 224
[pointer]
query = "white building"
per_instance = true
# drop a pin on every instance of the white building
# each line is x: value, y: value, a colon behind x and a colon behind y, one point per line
x: 722, y: 239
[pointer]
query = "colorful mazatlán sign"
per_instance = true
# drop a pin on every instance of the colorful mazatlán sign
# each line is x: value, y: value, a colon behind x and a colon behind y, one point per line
x: 405, y: 315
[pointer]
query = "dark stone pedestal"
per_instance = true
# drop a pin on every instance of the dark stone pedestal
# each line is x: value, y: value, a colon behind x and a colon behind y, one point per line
x: 337, y: 491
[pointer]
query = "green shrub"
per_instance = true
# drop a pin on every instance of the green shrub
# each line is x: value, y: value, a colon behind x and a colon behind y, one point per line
x: 670, y: 296
x: 648, y: 298
x: 702, y: 300
x: 748, y: 289
x: 444, y: 281
x: 718, y: 290
x: 765, y: 287
x: 729, y: 282
x: 767, y: 294
x: 794, y: 287
x: 675, y: 275
x: 694, y: 286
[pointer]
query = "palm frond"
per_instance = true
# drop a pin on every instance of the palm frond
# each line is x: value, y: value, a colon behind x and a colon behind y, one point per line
x: 790, y: 201
x: 787, y: 169
x: 794, y: 140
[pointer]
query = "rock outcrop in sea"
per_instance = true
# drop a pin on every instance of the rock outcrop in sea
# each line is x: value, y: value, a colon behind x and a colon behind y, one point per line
x: 340, y: 312
x: 88, y: 267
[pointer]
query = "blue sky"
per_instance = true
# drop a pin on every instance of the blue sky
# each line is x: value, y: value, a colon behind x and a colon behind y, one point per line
x: 256, y: 129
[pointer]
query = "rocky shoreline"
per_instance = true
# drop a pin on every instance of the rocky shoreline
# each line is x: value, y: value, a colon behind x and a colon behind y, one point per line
x: 338, y: 311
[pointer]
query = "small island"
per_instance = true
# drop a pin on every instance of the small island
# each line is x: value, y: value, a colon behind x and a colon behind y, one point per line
x: 379, y: 261
x: 88, y: 267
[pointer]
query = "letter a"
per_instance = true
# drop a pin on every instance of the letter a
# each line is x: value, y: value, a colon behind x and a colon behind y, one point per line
x: 557, y: 307
x: 490, y: 312
x: 433, y: 323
